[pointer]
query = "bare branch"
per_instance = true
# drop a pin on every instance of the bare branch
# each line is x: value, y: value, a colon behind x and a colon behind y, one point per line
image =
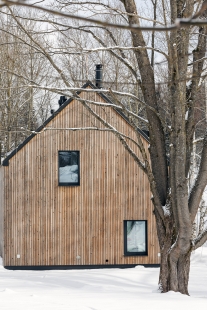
x: 61, y: 73
x: 149, y: 173
x: 109, y: 48
x: 200, y: 182
x: 118, y: 11
x: 117, y: 134
x: 201, y: 11
x: 134, y: 28
x: 63, y: 91
x: 90, y: 129
x: 200, y: 240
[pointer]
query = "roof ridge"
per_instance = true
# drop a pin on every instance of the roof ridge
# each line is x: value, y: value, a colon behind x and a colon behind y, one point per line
x: 68, y: 101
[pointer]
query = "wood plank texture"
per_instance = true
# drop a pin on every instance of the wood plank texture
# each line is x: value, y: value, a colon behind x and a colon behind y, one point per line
x: 47, y: 224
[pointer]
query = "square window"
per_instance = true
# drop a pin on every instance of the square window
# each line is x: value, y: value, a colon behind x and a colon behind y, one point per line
x: 135, y: 238
x: 69, y: 168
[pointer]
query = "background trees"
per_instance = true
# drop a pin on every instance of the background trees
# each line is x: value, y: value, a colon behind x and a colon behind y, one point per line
x: 157, y: 79
x: 21, y: 106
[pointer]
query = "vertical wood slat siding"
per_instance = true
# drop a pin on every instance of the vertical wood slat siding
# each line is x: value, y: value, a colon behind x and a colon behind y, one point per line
x: 49, y: 224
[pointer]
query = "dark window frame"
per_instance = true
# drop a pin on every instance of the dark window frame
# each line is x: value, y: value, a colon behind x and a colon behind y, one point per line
x: 127, y: 253
x: 69, y: 183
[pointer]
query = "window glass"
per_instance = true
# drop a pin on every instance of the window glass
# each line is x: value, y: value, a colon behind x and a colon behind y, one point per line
x: 69, y: 168
x: 135, y: 237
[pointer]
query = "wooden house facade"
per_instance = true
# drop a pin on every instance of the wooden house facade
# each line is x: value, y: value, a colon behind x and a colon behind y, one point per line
x: 76, y: 198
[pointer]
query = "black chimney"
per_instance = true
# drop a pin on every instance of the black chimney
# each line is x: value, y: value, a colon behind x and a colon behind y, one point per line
x: 99, y: 75
x: 62, y: 100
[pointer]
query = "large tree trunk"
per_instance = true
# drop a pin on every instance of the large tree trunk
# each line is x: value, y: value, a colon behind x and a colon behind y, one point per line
x: 174, y: 272
x: 175, y: 258
x: 174, y: 227
x: 175, y: 261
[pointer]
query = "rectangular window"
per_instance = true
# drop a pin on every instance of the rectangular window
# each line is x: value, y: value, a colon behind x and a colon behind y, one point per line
x: 135, y: 238
x: 69, y: 168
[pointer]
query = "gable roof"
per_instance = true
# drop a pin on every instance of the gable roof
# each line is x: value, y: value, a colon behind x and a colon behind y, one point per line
x: 88, y: 83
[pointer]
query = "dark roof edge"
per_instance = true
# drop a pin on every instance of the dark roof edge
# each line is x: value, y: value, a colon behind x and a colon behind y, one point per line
x: 20, y: 146
x: 142, y: 133
x: 88, y: 83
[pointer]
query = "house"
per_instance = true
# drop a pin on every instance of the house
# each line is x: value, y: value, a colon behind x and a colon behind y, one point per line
x: 76, y: 199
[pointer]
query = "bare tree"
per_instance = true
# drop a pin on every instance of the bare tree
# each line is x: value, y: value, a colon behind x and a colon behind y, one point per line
x: 19, y: 62
x: 171, y: 129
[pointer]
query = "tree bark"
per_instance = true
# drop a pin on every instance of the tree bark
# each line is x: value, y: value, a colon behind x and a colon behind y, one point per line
x: 174, y: 274
x: 174, y: 265
x: 156, y: 132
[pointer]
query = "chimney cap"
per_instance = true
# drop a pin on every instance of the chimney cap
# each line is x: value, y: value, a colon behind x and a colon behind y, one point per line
x: 99, y: 66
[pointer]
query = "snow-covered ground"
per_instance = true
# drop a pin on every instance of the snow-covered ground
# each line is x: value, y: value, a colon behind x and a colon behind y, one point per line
x: 100, y: 289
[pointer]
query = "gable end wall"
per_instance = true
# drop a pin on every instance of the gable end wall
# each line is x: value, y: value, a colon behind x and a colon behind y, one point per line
x: 47, y: 224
